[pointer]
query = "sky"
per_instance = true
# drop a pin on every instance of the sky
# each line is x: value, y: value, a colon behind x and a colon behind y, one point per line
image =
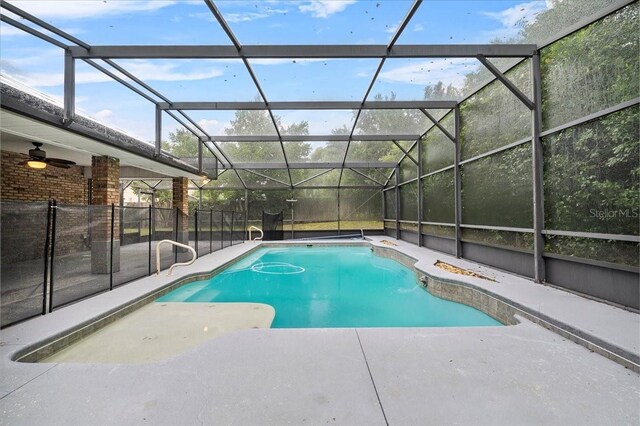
x: 39, y: 64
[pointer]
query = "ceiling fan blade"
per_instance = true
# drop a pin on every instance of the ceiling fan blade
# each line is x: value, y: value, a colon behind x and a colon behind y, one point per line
x: 58, y: 165
x: 60, y: 161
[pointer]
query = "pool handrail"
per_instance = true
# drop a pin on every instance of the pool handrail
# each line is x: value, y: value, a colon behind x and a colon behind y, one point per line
x: 257, y: 229
x: 175, y: 243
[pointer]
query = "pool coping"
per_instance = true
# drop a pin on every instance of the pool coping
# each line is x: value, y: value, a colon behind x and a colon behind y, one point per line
x: 75, y: 321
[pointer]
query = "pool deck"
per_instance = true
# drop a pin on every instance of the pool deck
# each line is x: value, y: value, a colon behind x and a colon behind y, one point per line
x: 522, y: 374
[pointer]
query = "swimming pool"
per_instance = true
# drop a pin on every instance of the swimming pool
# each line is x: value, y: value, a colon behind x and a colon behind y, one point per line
x: 330, y: 286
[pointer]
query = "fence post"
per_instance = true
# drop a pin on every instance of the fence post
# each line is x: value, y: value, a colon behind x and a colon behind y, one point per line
x: 113, y: 217
x: 397, y: 191
x: 233, y: 216
x: 53, y: 246
x: 46, y: 259
x: 175, y: 248
x: 150, y: 234
x: 222, y: 230
x: 419, y: 192
x: 211, y: 231
x: 195, y: 215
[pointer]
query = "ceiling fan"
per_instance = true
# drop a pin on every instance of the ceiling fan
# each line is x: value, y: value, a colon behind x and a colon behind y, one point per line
x: 38, y: 159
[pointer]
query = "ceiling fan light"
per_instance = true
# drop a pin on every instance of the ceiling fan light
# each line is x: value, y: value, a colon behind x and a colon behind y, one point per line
x: 36, y: 164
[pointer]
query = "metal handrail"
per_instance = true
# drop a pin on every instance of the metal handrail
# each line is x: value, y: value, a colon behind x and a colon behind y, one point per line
x: 175, y: 243
x: 257, y: 229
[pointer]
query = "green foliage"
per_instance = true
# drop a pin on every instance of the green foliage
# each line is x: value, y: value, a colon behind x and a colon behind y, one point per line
x: 592, y: 69
x: 494, y: 117
x: 592, y: 175
x: 182, y: 144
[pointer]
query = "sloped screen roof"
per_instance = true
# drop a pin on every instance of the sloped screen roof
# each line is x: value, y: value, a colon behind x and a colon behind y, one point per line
x: 331, y: 60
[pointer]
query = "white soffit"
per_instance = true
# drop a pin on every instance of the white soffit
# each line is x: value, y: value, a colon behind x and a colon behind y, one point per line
x: 36, y: 131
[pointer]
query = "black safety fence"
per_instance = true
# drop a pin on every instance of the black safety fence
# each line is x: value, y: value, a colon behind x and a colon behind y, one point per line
x: 24, y: 265
x: 56, y: 254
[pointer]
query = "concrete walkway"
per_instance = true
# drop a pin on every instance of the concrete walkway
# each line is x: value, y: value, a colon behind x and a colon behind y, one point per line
x: 521, y: 374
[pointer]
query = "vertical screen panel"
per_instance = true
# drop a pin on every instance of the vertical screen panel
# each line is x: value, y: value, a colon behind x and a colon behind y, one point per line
x: 438, y: 192
x: 437, y: 149
x: 82, y: 233
x: 390, y: 204
x: 134, y: 244
x: 497, y: 190
x: 591, y: 176
x: 315, y: 210
x: 22, y: 266
x: 409, y: 169
x: 494, y: 116
x: 592, y: 69
x: 360, y: 209
x: 409, y: 201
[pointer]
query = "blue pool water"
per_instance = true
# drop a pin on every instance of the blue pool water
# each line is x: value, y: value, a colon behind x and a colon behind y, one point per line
x: 330, y: 287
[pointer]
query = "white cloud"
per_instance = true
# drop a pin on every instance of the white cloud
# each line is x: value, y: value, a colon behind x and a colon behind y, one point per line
x: 244, y: 17
x: 7, y: 30
x: 148, y: 71
x: 236, y: 17
x: 37, y: 57
x: 213, y: 127
x: 514, y: 18
x: 252, y: 16
x: 47, y: 79
x: 418, y: 27
x: 324, y: 8
x: 392, y: 29
x: 142, y: 69
x: 75, y: 9
x: 429, y: 72
x: 103, y: 114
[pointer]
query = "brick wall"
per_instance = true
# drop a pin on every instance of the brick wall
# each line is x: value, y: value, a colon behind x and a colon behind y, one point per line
x: 21, y: 183
x: 24, y: 222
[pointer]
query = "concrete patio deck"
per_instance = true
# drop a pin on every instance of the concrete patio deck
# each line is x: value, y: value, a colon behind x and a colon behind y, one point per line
x: 522, y: 374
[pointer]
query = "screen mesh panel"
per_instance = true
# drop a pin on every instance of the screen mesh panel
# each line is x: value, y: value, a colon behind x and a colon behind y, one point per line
x: 23, y: 257
x: 497, y: 190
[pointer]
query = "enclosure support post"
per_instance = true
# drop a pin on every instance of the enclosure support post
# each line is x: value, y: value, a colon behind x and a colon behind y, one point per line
x: 420, y: 206
x: 195, y: 216
x: 339, y: 218
x: 397, y: 191
x: 246, y: 211
x: 210, y: 231
x: 538, y: 177
x: 113, y: 221
x: 233, y: 216
x: 222, y: 230
x: 457, y: 183
x: 121, y: 212
x: 69, y: 88
x: 158, y: 132
x: 46, y: 259
x: 175, y: 248
x: 384, y: 209
x: 53, y: 247
x: 150, y: 235
x: 200, y: 165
